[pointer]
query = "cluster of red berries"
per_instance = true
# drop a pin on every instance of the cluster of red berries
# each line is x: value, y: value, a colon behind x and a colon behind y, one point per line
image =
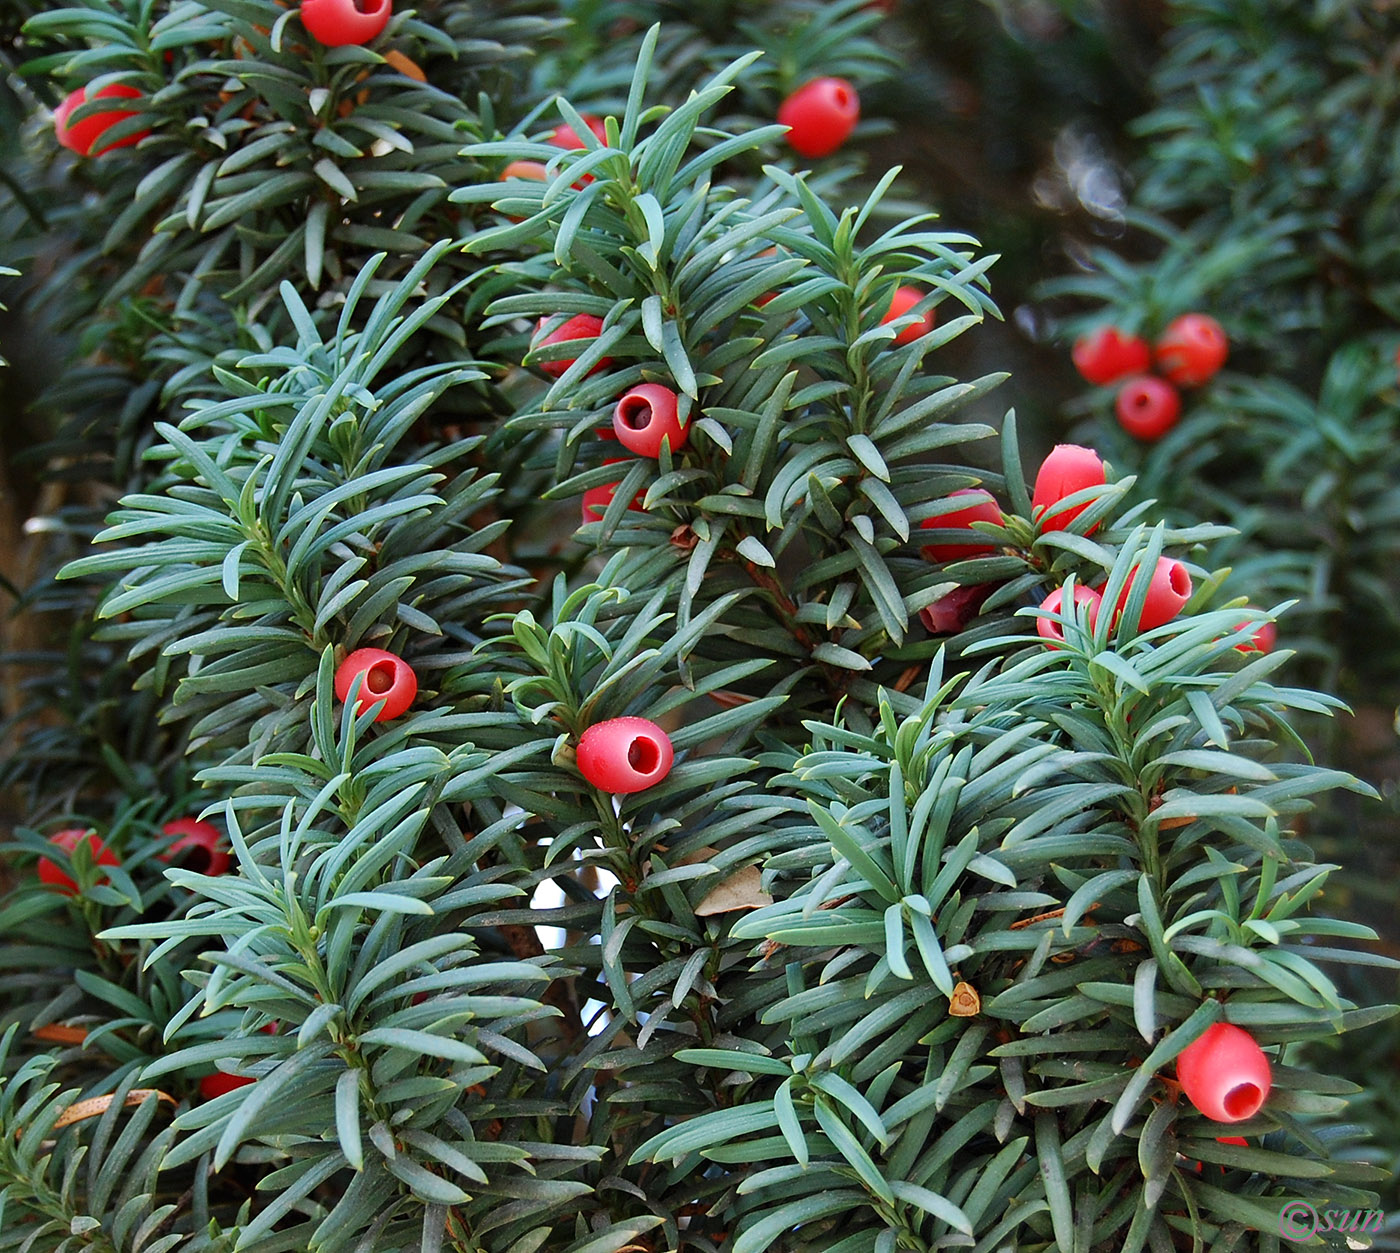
x: 1067, y: 472
x: 561, y: 137
x: 1168, y: 590
x: 334, y: 23
x: 199, y: 848
x: 1187, y: 354
x: 645, y: 416
x: 648, y: 414
x: 820, y: 115
x: 620, y: 755
x: 1069, y: 469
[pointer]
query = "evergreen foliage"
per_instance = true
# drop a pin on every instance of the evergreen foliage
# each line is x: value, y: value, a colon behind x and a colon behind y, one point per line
x: 899, y: 954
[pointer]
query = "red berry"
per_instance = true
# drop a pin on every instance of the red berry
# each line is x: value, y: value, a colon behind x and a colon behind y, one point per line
x: 1261, y: 640
x: 1167, y: 593
x: 1192, y: 349
x: 580, y: 326
x: 821, y: 114
x: 950, y: 613
x: 68, y: 840
x: 1106, y: 355
x: 85, y: 133
x: 387, y: 677
x: 1068, y: 469
x: 1224, y: 1073
x: 336, y: 23
x: 982, y: 507
x: 220, y: 1082
x: 534, y: 171
x: 760, y: 301
x: 525, y: 169
x: 1240, y: 1140
x: 201, y: 844
x: 566, y: 137
x: 645, y: 416
x: 624, y: 754
x: 1051, y: 631
x: 1147, y: 407
x: 597, y: 499
x: 905, y: 298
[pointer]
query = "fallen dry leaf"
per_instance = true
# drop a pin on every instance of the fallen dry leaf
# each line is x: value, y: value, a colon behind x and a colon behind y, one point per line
x: 742, y: 890
x: 95, y: 1105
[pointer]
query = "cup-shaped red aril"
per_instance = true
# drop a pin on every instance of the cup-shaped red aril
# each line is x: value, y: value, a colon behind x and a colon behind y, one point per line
x: 1069, y: 468
x: 1224, y: 1073
x: 221, y: 1082
x: 1051, y: 631
x: 336, y: 23
x: 580, y: 326
x: 86, y: 133
x: 597, y: 499
x: 1106, y: 354
x: 1147, y: 407
x: 981, y: 507
x: 529, y: 171
x: 1260, y: 639
x: 1236, y: 1140
x: 565, y: 136
x: 646, y: 416
x: 1192, y: 349
x: 51, y: 875
x: 200, y: 847
x: 820, y: 116
x: 533, y: 170
x: 386, y: 677
x: 1167, y: 593
x: 624, y: 754
x: 905, y: 298
x: 951, y: 612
